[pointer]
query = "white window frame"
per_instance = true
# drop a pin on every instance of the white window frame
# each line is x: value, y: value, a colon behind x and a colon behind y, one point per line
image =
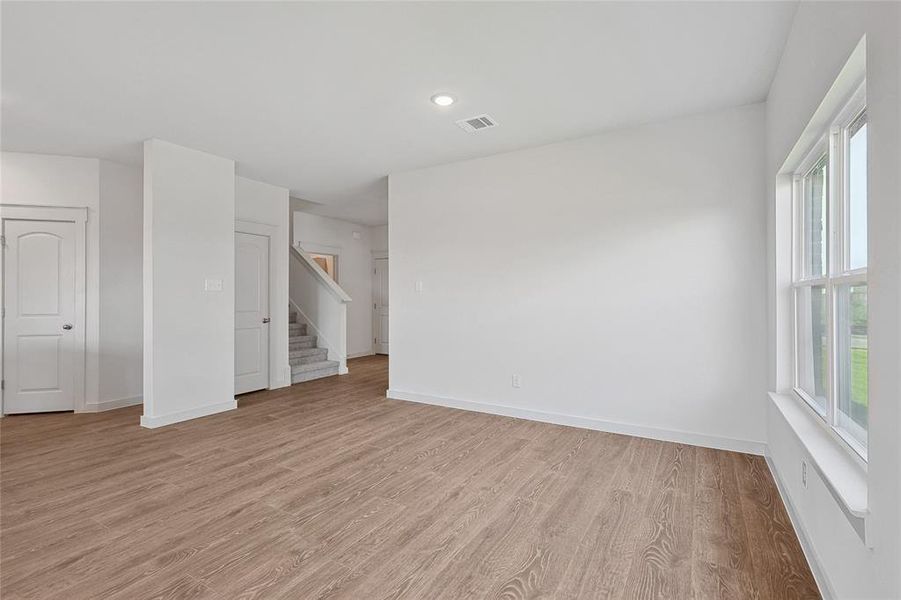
x: 833, y: 144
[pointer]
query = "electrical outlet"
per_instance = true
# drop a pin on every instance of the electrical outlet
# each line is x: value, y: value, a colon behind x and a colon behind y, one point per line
x: 804, y: 473
x: 516, y: 381
x: 419, y: 287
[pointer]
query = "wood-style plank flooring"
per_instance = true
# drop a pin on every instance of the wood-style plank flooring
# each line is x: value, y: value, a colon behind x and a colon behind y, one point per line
x: 328, y: 490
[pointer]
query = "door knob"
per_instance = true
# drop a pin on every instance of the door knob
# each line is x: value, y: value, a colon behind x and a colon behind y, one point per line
x: 265, y: 319
x: 67, y: 326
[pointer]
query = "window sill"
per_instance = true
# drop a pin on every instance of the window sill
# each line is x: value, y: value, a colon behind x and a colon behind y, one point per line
x: 845, y: 479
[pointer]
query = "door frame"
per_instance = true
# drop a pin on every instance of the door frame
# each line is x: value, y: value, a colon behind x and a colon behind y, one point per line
x: 269, y: 231
x: 377, y: 255
x: 78, y: 216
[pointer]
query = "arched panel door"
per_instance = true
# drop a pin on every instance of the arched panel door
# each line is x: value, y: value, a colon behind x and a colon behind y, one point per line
x: 39, y: 328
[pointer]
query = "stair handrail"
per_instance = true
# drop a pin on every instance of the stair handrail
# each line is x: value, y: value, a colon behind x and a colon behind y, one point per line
x: 326, y: 280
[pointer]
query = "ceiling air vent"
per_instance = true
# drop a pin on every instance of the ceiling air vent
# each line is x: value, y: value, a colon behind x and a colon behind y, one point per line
x: 473, y: 124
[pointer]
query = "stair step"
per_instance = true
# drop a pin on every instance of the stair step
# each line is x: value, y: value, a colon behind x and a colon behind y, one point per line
x: 297, y: 329
x: 292, y: 317
x: 302, y: 352
x: 316, y: 370
x: 315, y: 355
x: 296, y: 342
x: 322, y: 364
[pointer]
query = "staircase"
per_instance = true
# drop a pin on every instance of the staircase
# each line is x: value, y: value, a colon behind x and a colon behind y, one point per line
x: 308, y: 361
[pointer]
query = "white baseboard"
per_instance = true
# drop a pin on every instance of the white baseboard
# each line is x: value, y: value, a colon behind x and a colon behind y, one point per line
x: 187, y: 415
x: 105, y: 405
x: 666, y: 435
x: 819, y: 574
x: 360, y: 354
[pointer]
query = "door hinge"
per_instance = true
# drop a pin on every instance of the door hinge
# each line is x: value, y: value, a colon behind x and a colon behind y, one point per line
x: 3, y: 241
x: 2, y: 384
x: 374, y: 340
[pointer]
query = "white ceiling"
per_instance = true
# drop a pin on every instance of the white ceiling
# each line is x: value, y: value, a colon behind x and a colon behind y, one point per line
x: 328, y: 98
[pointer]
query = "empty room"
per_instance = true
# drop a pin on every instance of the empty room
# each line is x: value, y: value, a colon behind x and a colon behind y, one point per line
x: 446, y: 300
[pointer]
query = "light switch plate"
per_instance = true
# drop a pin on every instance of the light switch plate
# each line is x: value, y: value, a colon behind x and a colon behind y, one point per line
x: 212, y: 285
x: 419, y: 287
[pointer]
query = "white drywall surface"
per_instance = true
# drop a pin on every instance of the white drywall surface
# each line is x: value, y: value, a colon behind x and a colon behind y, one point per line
x: 121, y: 296
x: 620, y: 276
x: 189, y: 272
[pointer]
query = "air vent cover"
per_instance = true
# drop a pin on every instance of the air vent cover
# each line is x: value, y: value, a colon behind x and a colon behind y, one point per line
x: 473, y: 124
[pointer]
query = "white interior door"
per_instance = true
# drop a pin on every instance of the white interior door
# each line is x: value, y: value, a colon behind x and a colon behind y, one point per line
x: 380, y: 305
x: 39, y: 345
x: 251, y: 312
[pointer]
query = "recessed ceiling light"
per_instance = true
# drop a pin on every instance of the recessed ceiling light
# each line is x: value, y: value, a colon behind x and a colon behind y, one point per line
x: 443, y: 99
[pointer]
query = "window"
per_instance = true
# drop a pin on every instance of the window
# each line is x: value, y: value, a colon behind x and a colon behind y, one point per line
x: 814, y: 210
x: 812, y: 347
x: 857, y: 193
x: 830, y: 277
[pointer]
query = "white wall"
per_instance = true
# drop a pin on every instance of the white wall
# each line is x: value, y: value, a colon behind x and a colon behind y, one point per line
x: 379, y: 238
x: 822, y: 38
x: 334, y: 236
x: 189, y: 225
x: 619, y: 275
x: 121, y: 295
x: 268, y: 204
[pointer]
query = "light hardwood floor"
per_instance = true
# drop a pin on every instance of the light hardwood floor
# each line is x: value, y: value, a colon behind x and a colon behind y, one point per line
x: 328, y: 490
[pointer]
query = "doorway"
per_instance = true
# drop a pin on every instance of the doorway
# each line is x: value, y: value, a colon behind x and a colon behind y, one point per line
x: 252, y: 311
x: 380, y: 305
x: 43, y: 276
